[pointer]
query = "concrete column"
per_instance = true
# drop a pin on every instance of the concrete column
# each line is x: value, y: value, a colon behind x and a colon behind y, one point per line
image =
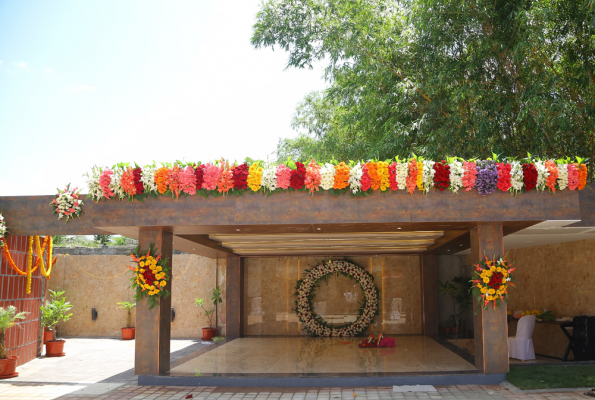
x: 153, y: 327
x: 234, y: 293
x: 490, y: 326
x: 429, y: 294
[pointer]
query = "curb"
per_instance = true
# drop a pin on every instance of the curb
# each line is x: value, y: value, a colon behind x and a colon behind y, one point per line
x: 515, y: 389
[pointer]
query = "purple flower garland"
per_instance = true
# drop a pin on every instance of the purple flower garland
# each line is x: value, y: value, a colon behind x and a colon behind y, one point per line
x: 487, y: 177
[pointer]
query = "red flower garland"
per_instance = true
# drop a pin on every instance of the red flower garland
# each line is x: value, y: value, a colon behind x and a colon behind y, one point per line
x: 199, y: 172
x: 530, y: 176
x: 365, y: 180
x: 392, y: 176
x: 442, y: 175
x: 137, y: 174
x: 240, y: 176
x: 298, y: 176
x: 503, y: 176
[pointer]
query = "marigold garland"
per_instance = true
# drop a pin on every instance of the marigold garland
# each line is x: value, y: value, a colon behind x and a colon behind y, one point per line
x: 151, y: 276
x: 491, y: 279
x: 341, y: 180
x: 255, y: 177
x: 50, y: 262
x: 420, y: 176
x: 382, y: 169
x: 582, y: 173
x: 161, y: 177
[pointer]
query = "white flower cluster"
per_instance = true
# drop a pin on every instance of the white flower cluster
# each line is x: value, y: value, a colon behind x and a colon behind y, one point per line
x: 93, y: 184
x: 67, y: 204
x: 456, y: 175
x: 269, y: 177
x: 2, y: 230
x: 428, y: 175
x: 542, y: 175
x: 311, y: 320
x: 355, y: 176
x: 563, y: 176
x: 115, y: 184
x: 517, y: 178
x: 401, y: 172
x: 327, y: 176
x: 148, y: 178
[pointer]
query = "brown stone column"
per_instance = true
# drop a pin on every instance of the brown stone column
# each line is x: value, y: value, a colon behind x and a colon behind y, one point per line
x: 429, y: 294
x: 153, y: 327
x: 490, y: 327
x: 234, y: 293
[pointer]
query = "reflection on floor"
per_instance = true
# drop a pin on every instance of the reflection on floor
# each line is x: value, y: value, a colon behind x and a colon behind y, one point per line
x: 307, y: 355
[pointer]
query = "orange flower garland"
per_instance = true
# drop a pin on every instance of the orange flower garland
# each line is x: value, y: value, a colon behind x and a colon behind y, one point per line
x: 420, y: 181
x: 582, y: 176
x: 383, y: 175
x: 30, y: 268
x: 127, y: 182
x: 413, y: 176
x: 341, y: 176
x: 174, y: 182
x: 552, y: 178
x: 373, y: 172
x: 161, y: 176
x: 226, y: 181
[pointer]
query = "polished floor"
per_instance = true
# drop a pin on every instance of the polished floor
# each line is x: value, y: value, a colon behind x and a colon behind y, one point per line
x: 308, y: 355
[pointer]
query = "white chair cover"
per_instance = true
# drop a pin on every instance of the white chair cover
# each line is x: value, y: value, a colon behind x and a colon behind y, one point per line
x: 521, y: 345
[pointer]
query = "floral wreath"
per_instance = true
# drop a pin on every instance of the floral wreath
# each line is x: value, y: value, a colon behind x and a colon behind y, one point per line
x: 491, y: 279
x: 67, y: 203
x: 150, y: 276
x: 306, y: 291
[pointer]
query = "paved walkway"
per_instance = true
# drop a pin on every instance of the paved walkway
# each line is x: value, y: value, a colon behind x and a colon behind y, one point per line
x: 103, y: 369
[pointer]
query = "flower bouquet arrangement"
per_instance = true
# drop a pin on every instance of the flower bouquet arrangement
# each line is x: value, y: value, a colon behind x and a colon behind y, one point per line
x: 67, y: 203
x: 150, y: 276
x: 491, y: 279
x: 2, y: 230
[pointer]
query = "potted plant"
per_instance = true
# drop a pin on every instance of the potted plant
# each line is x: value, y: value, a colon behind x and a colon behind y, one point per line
x: 56, y: 310
x: 128, y: 332
x: 48, y: 333
x: 8, y: 318
x: 209, y: 333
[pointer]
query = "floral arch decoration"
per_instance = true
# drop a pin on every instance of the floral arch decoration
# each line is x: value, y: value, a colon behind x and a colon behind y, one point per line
x: 306, y: 291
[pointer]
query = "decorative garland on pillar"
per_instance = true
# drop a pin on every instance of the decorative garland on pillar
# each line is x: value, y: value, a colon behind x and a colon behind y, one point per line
x: 306, y: 290
x: 30, y: 267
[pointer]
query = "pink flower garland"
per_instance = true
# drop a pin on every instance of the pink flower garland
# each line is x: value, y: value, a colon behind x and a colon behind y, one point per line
x: 104, y: 181
x: 470, y: 175
x: 313, y: 177
x: 211, y: 176
x: 283, y: 174
x: 503, y: 176
x: 573, y: 177
x: 188, y: 180
x: 127, y: 182
x: 552, y: 178
x: 392, y: 176
x: 173, y: 181
x: 412, y: 176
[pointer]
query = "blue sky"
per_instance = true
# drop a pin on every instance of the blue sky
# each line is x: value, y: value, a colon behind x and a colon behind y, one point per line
x: 86, y: 83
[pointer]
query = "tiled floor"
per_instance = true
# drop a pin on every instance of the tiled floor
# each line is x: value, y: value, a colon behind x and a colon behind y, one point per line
x: 290, y: 355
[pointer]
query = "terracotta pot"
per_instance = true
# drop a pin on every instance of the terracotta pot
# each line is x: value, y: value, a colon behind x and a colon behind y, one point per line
x: 54, y: 348
x: 208, y: 333
x: 48, y: 335
x: 127, y: 333
x: 8, y: 367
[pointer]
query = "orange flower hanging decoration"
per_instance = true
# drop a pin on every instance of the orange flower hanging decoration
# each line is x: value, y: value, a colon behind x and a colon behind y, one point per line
x: 226, y: 181
x: 150, y: 276
x: 582, y: 176
x: 383, y: 175
x: 374, y: 176
x: 161, y: 176
x: 341, y: 176
x: 174, y: 181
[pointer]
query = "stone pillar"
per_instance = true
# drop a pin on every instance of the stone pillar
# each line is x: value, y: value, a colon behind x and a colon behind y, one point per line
x: 153, y: 327
x: 234, y: 293
x: 490, y: 326
x: 429, y: 294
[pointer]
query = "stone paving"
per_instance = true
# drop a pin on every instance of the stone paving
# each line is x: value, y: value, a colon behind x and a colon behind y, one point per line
x: 102, y: 369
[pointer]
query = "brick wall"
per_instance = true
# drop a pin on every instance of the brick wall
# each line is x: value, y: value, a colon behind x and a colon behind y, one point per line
x: 21, y: 340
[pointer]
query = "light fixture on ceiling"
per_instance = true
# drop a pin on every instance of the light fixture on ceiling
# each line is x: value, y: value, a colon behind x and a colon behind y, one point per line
x: 447, y: 250
x: 317, y: 229
x: 237, y: 230
x: 193, y: 248
x: 461, y: 245
x: 398, y: 228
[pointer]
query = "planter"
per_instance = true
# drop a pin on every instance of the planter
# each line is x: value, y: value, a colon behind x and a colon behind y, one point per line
x: 54, y: 348
x: 208, y: 333
x: 127, y: 333
x: 8, y: 367
x: 48, y: 335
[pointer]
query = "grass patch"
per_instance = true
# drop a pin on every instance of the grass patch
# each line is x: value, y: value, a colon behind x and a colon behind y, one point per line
x: 552, y: 376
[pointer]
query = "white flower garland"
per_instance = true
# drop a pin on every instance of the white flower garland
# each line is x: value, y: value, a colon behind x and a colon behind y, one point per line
x: 355, y: 176
x: 148, y: 178
x: 456, y: 175
x: 269, y: 177
x: 542, y: 175
x: 517, y: 178
x: 563, y: 176
x: 428, y: 175
x: 115, y: 184
x: 313, y: 323
x: 327, y: 176
x: 93, y: 182
x: 402, y: 171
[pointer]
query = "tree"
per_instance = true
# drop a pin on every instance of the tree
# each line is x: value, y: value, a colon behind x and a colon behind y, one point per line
x: 103, y: 240
x: 439, y: 77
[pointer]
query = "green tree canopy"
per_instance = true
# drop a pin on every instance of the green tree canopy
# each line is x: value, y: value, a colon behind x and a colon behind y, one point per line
x: 439, y: 77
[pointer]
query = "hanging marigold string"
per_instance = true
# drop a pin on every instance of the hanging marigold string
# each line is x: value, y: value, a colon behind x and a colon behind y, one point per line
x: 10, y: 260
x: 30, y: 267
x: 49, y: 260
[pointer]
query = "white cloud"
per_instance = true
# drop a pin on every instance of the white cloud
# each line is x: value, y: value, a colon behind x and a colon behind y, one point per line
x: 77, y: 87
x: 23, y: 65
x: 50, y: 71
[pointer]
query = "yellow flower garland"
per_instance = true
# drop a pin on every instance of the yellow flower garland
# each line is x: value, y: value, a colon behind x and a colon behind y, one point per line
x: 255, y: 177
x: 419, y: 181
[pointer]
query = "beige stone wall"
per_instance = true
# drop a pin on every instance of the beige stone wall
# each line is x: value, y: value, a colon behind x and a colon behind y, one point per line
x: 101, y: 281
x: 269, y: 286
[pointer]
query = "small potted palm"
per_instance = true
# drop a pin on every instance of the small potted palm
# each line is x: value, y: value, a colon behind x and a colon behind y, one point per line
x: 57, y: 311
x: 209, y: 333
x: 8, y: 319
x: 128, y: 332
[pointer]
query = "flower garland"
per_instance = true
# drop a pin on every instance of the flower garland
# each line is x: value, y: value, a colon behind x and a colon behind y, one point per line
x: 2, y: 230
x: 306, y: 290
x: 491, y: 279
x: 357, y: 178
x: 151, y: 276
x: 67, y: 203
x: 30, y: 267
